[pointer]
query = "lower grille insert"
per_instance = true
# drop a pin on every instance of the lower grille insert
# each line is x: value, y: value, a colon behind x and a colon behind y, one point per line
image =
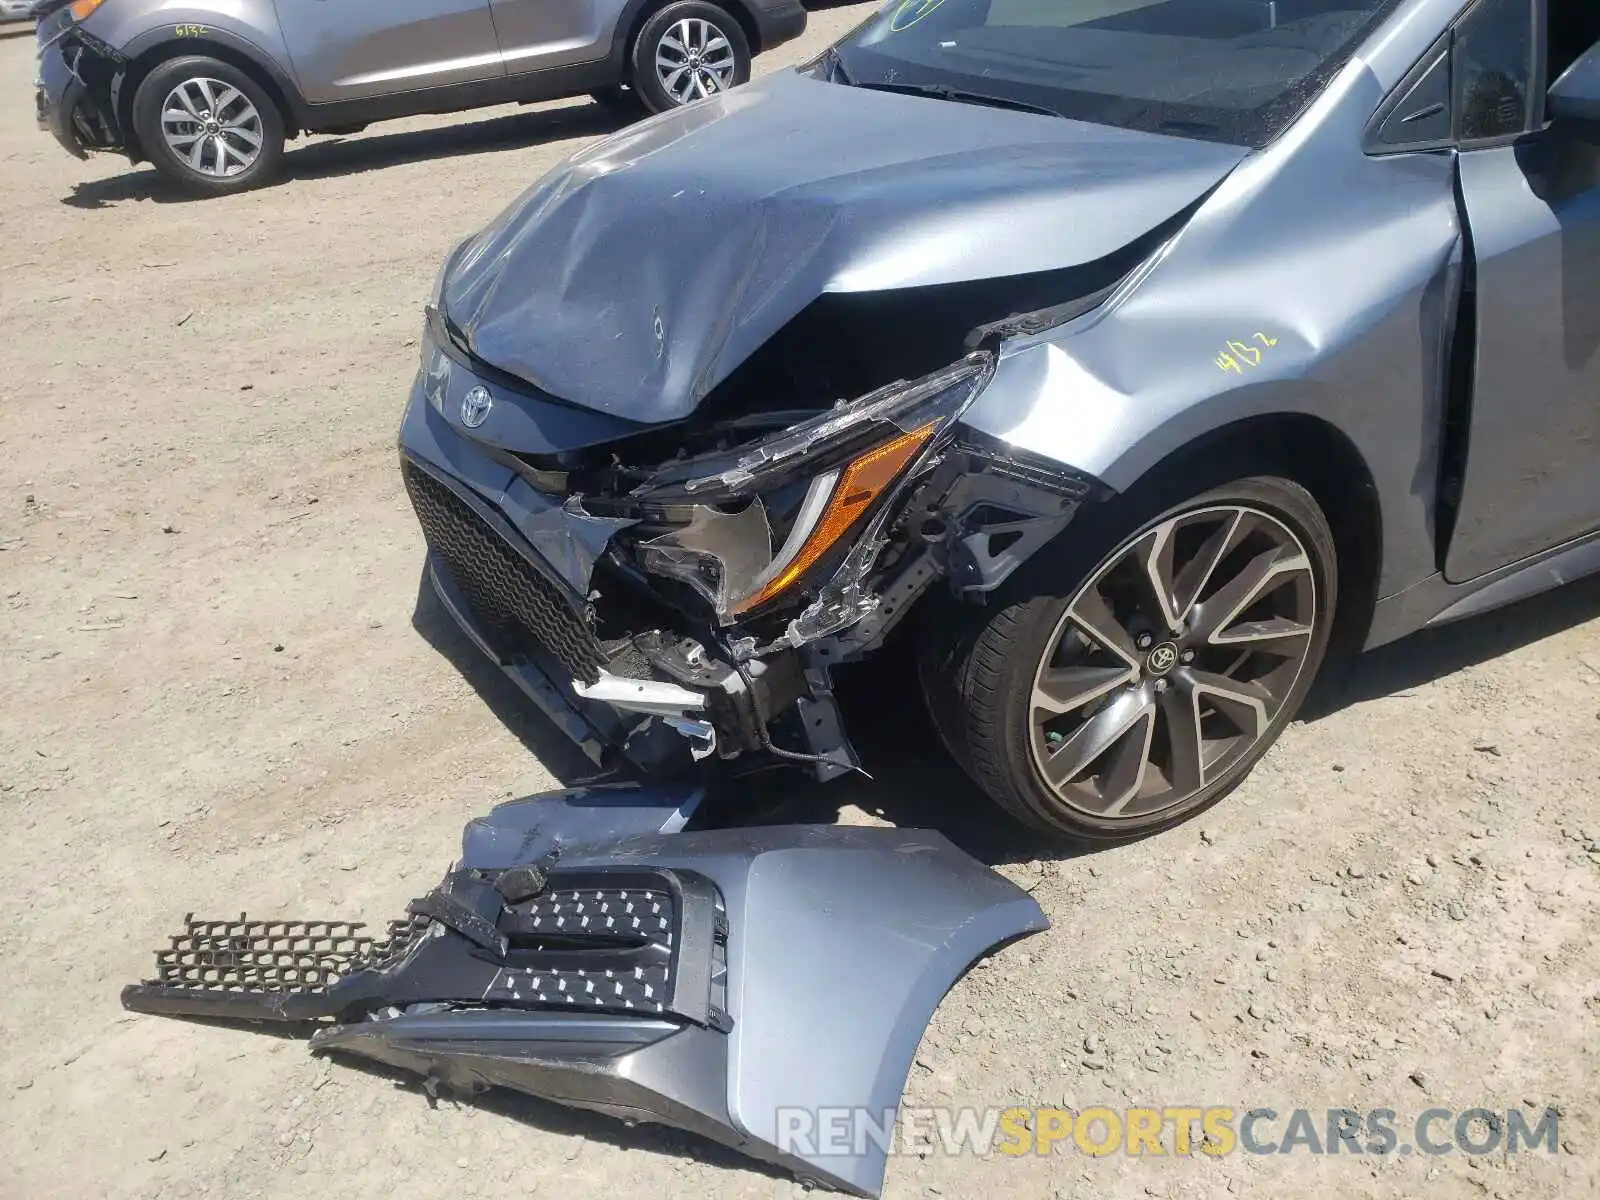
x: 517, y: 608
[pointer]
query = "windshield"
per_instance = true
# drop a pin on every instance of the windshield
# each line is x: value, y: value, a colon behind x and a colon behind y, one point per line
x: 1236, y: 71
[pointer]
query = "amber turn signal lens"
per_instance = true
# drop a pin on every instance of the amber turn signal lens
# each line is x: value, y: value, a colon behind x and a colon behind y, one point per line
x: 82, y: 8
x: 862, y: 482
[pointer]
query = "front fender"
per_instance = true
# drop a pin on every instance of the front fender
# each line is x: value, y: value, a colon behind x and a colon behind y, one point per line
x: 201, y: 31
x: 1045, y: 399
x: 1315, y: 280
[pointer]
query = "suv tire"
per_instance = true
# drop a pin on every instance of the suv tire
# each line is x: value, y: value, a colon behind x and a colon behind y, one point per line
x: 208, y: 126
x: 688, y: 50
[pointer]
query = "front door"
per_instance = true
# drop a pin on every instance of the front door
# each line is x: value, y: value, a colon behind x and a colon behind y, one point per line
x: 1532, y: 478
x: 535, y: 34
x: 358, y: 49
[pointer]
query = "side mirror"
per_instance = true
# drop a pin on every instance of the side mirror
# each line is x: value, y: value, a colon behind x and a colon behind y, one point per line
x: 1575, y: 97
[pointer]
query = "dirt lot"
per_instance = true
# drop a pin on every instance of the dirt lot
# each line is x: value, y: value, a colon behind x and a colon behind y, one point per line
x: 220, y: 689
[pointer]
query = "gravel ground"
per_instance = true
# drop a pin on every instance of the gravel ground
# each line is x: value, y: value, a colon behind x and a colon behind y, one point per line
x: 222, y: 688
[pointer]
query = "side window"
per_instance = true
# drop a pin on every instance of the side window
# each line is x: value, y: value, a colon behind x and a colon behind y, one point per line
x: 1417, y: 117
x: 1494, y: 67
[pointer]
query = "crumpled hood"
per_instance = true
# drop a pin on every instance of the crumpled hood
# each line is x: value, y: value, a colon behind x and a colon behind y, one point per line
x: 639, y: 275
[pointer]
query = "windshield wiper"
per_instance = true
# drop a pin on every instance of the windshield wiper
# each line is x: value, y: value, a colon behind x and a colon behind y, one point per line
x: 940, y: 92
x: 1199, y: 129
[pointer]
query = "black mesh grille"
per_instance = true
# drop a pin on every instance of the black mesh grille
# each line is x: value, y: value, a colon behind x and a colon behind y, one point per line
x: 273, y: 956
x: 621, y: 940
x: 516, y: 607
x: 635, y: 923
x: 642, y: 914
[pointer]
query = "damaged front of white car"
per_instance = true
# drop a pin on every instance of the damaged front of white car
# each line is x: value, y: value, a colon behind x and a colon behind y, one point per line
x: 688, y: 428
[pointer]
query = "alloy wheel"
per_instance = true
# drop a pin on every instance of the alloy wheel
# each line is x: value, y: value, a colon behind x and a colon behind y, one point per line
x: 694, y: 60
x: 1171, y: 664
x: 212, y: 126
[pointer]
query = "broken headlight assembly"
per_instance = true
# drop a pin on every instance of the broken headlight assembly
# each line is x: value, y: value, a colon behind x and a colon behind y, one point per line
x: 799, y: 517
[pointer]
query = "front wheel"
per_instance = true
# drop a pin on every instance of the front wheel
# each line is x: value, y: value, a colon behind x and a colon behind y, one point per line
x: 688, y: 51
x: 1135, y: 680
x: 207, y: 126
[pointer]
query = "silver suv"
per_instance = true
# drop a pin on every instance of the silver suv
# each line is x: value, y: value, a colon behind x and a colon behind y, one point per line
x: 208, y: 92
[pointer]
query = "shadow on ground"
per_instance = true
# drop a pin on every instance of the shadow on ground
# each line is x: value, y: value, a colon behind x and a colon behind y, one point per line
x: 544, y: 1115
x: 328, y: 158
x: 914, y: 782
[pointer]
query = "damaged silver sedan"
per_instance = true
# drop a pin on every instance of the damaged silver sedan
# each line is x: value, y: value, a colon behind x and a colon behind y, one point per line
x: 1134, y: 353
x: 1138, y: 353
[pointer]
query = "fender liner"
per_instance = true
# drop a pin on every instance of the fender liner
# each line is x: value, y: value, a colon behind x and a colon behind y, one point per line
x: 791, y: 971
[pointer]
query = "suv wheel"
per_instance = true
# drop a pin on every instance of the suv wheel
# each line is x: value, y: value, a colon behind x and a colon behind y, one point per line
x: 207, y: 126
x: 1134, y: 680
x: 687, y: 51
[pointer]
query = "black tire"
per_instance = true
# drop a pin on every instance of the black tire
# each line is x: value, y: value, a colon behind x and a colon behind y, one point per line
x: 152, y: 95
x: 644, y: 79
x: 977, y: 666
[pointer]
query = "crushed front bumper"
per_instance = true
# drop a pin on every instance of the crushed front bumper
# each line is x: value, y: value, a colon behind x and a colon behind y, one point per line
x: 57, y: 95
x: 77, y: 92
x: 582, y: 620
x: 734, y: 983
x: 513, y: 568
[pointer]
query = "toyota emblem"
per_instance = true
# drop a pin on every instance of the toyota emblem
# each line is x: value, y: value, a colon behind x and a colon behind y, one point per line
x: 475, y: 406
x: 1163, y: 658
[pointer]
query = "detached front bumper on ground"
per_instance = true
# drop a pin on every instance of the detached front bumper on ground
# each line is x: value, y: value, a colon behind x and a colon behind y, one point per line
x: 586, y: 950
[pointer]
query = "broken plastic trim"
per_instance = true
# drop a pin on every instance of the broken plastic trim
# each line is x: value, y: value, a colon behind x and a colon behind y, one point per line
x: 862, y: 455
x: 89, y: 107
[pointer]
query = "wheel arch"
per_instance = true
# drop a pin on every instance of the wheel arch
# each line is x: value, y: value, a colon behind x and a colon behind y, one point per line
x: 1323, y: 459
x: 146, y: 53
x: 638, y: 12
x: 974, y: 665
